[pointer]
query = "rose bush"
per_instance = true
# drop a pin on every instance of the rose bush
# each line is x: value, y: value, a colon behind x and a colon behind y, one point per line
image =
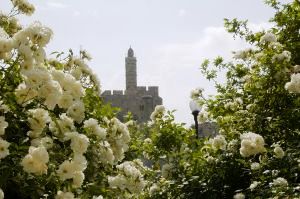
x: 57, y: 138
x: 257, y: 111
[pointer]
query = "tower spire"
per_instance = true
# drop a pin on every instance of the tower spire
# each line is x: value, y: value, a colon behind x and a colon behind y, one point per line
x: 130, y: 52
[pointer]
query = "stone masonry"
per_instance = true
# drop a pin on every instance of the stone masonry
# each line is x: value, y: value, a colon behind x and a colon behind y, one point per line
x: 139, y: 100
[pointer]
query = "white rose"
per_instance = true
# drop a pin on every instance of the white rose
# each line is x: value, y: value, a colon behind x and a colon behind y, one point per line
x: 239, y: 196
x: 280, y: 182
x: 35, y: 161
x: 76, y: 111
x: 64, y: 195
x: 254, y: 185
x: 278, y: 151
x: 79, y: 143
x: 251, y: 144
x: 3, y: 125
x: 1, y: 194
x: 66, y: 170
x: 219, y: 142
x: 4, y: 148
x: 255, y: 166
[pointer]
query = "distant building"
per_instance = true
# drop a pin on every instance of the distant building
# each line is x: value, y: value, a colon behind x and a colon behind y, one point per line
x: 208, y: 129
x: 138, y: 100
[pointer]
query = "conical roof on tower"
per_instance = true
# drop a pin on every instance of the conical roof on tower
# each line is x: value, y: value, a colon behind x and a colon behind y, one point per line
x: 130, y: 52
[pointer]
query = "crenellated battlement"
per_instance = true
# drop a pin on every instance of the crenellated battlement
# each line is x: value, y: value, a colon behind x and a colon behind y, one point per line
x: 117, y: 92
x: 106, y: 92
x: 153, y: 90
x: 141, y: 90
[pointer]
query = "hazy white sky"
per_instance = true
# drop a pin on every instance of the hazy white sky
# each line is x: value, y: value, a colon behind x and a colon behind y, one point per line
x: 170, y: 38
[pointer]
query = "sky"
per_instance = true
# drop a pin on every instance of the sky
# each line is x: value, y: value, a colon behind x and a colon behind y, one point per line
x: 170, y: 39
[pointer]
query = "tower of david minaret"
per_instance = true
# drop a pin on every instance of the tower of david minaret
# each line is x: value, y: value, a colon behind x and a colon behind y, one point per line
x: 131, y: 76
x: 139, y: 100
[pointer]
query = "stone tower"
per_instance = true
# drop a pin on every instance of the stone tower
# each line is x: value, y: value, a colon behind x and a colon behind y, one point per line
x: 139, y: 100
x: 130, y: 66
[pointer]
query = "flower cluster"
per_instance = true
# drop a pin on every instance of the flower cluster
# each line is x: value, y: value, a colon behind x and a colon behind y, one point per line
x: 253, y: 185
x: 4, y: 145
x: 79, y: 68
x: 38, y: 121
x: 12, y: 27
x: 203, y: 116
x: 234, y: 105
x: 294, y: 85
x: 73, y: 170
x: 268, y: 38
x: 3, y: 125
x: 219, y: 142
x: 92, y: 126
x: 24, y: 6
x: 3, y: 107
x: 255, y: 166
x: 118, y: 138
x: 166, y: 170
x: 4, y: 151
x: 283, y: 56
x: 251, y: 144
x: 106, y: 153
x: 6, y: 45
x: 196, y: 93
x: 129, y: 178
x: 1, y: 194
x: 153, y: 189
x: 278, y: 152
x: 158, y: 112
x: 239, y: 196
x: 64, y: 195
x: 242, y: 54
x: 36, y: 161
x: 280, y: 182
